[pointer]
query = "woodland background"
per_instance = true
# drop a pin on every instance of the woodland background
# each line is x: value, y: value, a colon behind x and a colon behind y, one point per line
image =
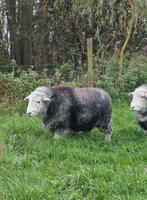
x: 39, y: 32
x: 48, y: 39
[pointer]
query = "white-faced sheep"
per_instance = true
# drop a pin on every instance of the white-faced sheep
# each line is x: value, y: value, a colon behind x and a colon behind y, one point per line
x: 139, y: 106
x: 67, y: 110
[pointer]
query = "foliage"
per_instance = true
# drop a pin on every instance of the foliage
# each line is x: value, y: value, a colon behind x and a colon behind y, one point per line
x: 15, y: 86
x: 70, y: 23
x: 60, y: 28
x: 131, y: 77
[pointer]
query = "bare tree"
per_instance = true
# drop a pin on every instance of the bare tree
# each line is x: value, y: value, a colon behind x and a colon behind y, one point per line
x: 26, y: 32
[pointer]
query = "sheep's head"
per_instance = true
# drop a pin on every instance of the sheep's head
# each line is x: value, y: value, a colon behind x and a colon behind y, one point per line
x: 37, y: 103
x: 139, y: 100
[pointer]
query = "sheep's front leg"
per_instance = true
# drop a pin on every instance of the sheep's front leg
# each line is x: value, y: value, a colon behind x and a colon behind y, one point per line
x: 58, y: 134
x: 47, y: 132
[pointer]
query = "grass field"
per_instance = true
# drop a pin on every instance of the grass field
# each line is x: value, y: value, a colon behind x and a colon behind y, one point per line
x: 82, y: 167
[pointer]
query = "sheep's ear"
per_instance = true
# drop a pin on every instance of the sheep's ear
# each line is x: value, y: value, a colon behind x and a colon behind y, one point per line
x: 26, y: 98
x: 130, y: 93
x: 46, y: 99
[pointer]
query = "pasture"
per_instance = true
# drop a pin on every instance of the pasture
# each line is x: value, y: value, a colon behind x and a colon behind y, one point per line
x: 83, y: 167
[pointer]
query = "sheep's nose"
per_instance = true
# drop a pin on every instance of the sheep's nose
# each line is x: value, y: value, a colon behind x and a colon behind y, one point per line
x: 29, y: 113
x: 133, y: 108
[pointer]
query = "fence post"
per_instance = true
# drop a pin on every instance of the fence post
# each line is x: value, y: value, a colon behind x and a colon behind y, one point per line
x: 13, y: 63
x: 90, y: 62
x: 45, y: 71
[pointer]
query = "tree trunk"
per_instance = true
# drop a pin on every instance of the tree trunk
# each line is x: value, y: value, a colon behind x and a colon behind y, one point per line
x: 11, y: 7
x: 1, y: 39
x: 26, y: 29
x: 130, y: 27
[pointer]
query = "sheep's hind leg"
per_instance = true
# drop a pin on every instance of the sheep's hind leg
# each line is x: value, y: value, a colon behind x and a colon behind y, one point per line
x: 108, y: 134
x: 145, y: 133
x: 107, y: 130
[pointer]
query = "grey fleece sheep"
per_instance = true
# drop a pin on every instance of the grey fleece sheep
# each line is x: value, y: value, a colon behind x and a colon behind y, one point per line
x: 67, y: 110
x: 139, y: 106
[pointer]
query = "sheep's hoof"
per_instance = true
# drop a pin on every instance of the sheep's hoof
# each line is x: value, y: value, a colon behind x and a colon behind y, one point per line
x: 108, y: 137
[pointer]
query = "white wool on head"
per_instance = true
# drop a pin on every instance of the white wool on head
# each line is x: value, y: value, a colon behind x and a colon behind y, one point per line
x: 139, y: 100
x: 38, y: 102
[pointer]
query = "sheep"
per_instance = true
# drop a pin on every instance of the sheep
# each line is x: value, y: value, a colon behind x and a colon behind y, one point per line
x: 64, y: 110
x: 139, y: 106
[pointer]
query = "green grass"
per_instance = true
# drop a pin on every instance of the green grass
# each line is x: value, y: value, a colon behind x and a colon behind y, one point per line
x: 82, y: 167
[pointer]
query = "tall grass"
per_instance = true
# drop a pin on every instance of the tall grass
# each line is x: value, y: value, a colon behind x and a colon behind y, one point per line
x: 34, y: 166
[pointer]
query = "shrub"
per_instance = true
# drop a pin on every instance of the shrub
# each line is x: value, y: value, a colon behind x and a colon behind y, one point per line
x: 14, y: 87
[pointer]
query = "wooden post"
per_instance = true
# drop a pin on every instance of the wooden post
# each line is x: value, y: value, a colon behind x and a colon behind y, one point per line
x: 45, y: 71
x: 13, y: 63
x: 90, y: 62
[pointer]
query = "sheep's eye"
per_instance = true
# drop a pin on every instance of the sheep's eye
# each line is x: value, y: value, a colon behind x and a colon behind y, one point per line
x: 38, y: 101
x: 142, y: 97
